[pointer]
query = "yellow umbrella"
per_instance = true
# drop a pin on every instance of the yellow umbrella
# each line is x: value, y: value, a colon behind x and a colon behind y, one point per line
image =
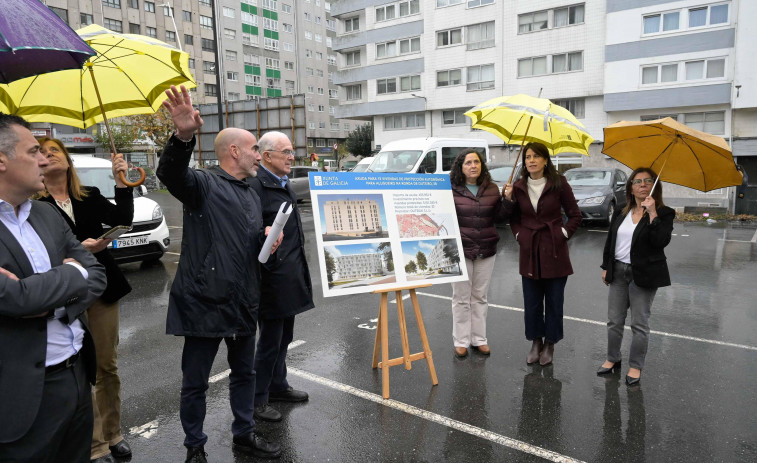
x: 128, y: 76
x: 523, y: 118
x: 678, y: 153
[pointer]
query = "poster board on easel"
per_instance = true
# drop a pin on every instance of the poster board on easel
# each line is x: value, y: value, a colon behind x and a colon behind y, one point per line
x: 383, y: 231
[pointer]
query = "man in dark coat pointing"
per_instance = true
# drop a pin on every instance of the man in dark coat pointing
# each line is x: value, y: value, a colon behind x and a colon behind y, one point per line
x: 286, y: 288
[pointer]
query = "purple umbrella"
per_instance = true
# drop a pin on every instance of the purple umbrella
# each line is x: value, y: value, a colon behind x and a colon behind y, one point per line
x: 34, y: 40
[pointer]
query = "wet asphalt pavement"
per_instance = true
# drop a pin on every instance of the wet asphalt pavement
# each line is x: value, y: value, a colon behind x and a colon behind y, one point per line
x: 696, y: 402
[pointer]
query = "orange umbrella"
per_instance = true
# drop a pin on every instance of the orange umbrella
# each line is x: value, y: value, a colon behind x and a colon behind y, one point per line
x: 678, y: 153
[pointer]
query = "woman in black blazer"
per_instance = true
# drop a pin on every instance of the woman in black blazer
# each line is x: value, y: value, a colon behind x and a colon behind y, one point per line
x: 86, y: 210
x: 634, y: 266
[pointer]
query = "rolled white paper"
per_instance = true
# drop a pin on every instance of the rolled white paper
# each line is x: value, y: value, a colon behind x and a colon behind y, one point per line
x: 273, y: 234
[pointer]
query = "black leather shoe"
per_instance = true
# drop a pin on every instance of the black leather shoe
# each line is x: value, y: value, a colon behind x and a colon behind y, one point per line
x: 288, y: 395
x: 196, y: 455
x: 615, y: 368
x: 104, y: 459
x: 266, y: 413
x: 257, y: 446
x: 121, y: 450
x: 633, y: 381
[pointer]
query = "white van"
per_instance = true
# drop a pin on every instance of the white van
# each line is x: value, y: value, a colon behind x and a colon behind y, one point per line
x: 148, y: 238
x: 424, y: 155
x: 329, y: 165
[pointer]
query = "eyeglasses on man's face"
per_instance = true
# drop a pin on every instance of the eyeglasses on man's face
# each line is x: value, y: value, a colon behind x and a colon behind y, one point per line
x: 286, y: 153
x: 647, y: 181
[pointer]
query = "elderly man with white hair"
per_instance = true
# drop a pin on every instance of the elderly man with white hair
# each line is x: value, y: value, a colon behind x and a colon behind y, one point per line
x: 286, y: 289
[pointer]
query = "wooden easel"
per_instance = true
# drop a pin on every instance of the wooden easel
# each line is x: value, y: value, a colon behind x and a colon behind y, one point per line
x: 383, y: 333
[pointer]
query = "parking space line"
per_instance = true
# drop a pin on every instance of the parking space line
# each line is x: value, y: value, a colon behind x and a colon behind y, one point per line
x: 174, y: 253
x: 601, y: 323
x: 226, y: 373
x: 436, y: 418
x: 475, y: 431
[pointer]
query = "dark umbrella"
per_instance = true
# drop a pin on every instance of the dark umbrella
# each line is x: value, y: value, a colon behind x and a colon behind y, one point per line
x: 34, y: 40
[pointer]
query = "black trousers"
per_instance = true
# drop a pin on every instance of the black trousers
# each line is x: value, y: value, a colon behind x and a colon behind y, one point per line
x: 270, y: 359
x: 543, y: 308
x: 62, y: 430
x: 196, y: 361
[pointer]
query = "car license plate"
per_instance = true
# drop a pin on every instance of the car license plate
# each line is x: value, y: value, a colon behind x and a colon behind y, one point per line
x: 131, y: 241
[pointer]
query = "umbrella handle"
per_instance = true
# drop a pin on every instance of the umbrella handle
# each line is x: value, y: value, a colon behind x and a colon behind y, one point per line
x: 133, y: 184
x: 658, y: 177
x: 110, y: 134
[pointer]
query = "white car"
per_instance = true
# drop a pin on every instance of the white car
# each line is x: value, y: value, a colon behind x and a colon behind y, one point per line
x: 148, y: 238
x: 363, y: 165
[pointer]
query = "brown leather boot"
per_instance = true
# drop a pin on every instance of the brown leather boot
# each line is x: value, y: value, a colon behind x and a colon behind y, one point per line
x: 536, y: 347
x: 546, y: 355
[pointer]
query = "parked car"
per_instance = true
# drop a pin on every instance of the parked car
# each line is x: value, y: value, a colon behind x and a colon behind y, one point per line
x: 347, y: 166
x: 598, y: 191
x: 299, y: 181
x: 329, y: 165
x: 424, y: 155
x: 501, y: 174
x: 363, y: 165
x: 148, y: 238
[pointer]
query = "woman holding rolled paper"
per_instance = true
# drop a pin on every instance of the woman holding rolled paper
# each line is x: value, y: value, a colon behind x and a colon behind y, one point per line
x: 86, y: 210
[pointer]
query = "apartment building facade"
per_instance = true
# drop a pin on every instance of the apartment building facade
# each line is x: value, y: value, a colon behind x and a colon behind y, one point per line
x: 267, y: 48
x: 413, y: 67
x: 691, y: 61
x: 438, y: 261
x: 359, y: 266
x: 352, y: 217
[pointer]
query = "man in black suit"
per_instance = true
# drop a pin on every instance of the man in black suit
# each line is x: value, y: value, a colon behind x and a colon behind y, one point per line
x: 47, y: 280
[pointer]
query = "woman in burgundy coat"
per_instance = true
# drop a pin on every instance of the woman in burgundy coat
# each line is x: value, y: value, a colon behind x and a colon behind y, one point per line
x: 478, y: 204
x: 536, y: 202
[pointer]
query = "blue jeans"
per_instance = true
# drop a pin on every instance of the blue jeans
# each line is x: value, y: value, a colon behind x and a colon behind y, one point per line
x: 543, y: 304
x: 196, y: 361
x: 270, y: 360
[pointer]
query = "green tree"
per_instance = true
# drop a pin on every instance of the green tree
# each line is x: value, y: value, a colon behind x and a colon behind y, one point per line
x: 386, y: 249
x: 359, y: 140
x: 450, y: 252
x: 421, y: 258
x: 411, y: 267
x: 330, y: 266
x: 156, y: 127
x: 124, y: 135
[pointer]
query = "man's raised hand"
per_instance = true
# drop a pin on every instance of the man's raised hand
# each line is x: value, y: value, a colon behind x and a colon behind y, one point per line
x: 185, y: 117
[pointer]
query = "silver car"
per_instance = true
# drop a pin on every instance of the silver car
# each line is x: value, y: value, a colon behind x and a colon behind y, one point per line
x: 501, y: 174
x: 598, y: 191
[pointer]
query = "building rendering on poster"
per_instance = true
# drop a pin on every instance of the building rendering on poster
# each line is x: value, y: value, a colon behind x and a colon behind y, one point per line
x: 383, y: 231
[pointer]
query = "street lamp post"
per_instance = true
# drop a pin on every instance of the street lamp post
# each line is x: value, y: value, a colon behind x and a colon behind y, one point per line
x: 175, y: 30
x: 425, y: 110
